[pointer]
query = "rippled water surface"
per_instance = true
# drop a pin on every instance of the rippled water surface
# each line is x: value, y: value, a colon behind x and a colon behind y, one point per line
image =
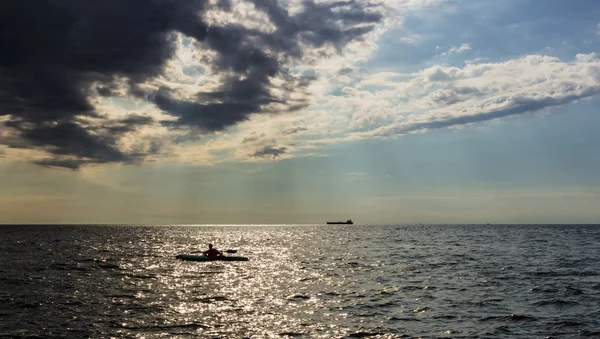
x: 428, y: 281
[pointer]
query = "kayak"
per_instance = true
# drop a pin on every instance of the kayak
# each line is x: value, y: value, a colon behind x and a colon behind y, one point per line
x: 203, y: 257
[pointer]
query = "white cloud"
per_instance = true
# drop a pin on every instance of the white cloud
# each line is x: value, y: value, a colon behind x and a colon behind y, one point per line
x: 444, y: 96
x: 460, y: 49
x: 456, y: 50
x: 391, y: 104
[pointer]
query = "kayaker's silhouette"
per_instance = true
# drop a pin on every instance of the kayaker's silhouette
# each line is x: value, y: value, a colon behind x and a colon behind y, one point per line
x: 212, y: 252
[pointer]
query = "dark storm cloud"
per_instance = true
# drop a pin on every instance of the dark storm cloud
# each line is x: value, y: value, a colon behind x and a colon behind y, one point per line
x: 68, y: 138
x: 129, y: 124
x: 58, y: 54
x: 212, y: 117
x: 55, y: 52
x: 135, y: 119
x: 270, y: 152
x: 259, y: 56
x: 65, y: 163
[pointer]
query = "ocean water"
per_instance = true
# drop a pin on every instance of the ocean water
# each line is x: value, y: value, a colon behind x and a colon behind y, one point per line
x: 338, y: 281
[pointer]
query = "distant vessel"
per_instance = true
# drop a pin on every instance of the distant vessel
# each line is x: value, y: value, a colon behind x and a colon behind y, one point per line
x: 347, y: 222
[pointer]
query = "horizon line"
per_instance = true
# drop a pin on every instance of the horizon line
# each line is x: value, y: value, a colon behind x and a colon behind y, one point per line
x: 287, y: 224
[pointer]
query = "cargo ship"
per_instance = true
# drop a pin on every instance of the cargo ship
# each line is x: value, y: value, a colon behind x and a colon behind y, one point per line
x: 347, y: 222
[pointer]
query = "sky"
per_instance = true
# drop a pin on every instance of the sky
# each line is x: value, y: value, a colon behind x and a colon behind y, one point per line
x: 299, y: 111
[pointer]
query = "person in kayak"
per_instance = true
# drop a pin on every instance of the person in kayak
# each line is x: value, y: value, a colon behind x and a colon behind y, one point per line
x: 212, y: 252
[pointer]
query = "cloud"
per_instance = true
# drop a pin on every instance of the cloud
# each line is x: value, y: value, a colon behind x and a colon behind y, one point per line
x: 384, y: 105
x: 128, y: 124
x: 253, y: 137
x: 380, y: 79
x: 68, y: 138
x: 270, y: 151
x: 294, y: 130
x: 346, y: 71
x: 462, y: 48
x: 444, y: 96
x: 456, y: 50
x: 73, y: 164
x: 60, y: 58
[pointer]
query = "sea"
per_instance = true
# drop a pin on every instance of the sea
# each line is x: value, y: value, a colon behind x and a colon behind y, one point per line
x: 301, y: 281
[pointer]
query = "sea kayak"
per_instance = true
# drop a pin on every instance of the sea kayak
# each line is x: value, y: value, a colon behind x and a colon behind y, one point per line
x: 203, y: 257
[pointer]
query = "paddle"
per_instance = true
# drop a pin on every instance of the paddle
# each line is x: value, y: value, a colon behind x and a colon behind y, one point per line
x: 226, y: 251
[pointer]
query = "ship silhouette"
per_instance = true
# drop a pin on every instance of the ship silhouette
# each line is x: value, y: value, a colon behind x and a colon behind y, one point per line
x: 347, y: 222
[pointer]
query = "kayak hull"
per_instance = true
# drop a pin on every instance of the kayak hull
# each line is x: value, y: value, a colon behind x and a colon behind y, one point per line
x: 202, y: 257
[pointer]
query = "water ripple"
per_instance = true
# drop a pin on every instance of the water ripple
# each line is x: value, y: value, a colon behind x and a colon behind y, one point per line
x: 422, y: 281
